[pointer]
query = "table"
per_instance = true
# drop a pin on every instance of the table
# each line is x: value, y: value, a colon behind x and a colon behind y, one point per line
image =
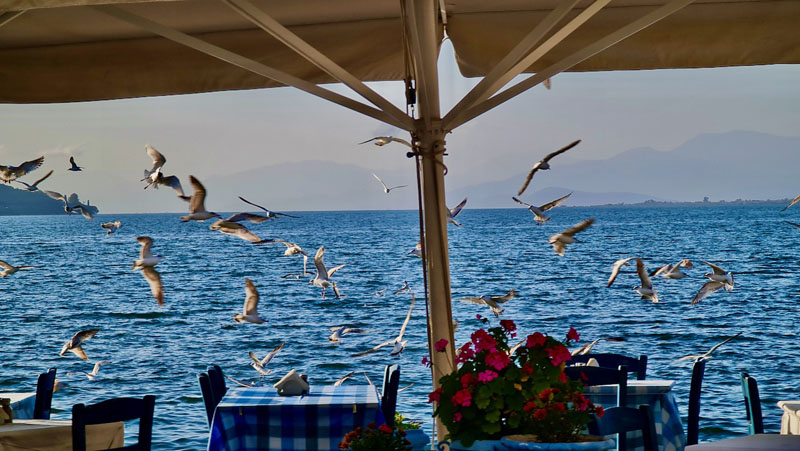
x: 658, y: 395
x: 56, y: 435
x: 260, y: 419
x: 790, y: 421
x: 21, y: 403
x: 757, y: 442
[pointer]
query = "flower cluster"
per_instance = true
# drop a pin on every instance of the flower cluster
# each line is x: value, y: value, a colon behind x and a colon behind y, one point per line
x: 374, y: 438
x: 498, y: 391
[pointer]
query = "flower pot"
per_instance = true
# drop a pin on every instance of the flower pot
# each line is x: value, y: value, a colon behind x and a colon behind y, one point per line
x: 418, y: 438
x: 526, y: 442
x: 478, y: 445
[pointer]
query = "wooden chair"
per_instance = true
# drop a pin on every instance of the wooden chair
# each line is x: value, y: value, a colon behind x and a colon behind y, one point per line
x: 634, y: 365
x: 693, y: 426
x: 752, y: 404
x: 621, y: 420
x: 111, y: 411
x: 44, y: 395
x: 208, y: 396
x: 391, y: 382
x: 598, y: 375
x: 218, y: 386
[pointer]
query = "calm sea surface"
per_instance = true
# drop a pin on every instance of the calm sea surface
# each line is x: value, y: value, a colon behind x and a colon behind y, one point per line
x: 86, y: 282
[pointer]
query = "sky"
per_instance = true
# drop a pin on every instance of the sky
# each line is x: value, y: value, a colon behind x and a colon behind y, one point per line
x: 219, y: 134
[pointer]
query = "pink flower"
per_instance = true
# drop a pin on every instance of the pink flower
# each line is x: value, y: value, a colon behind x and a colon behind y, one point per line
x: 486, y: 376
x: 425, y: 361
x: 497, y: 360
x: 483, y: 341
x: 536, y: 339
x: 573, y: 335
x: 559, y: 354
x: 435, y: 395
x: 462, y: 398
x: 457, y: 417
x: 465, y: 353
x: 508, y: 325
x: 440, y: 345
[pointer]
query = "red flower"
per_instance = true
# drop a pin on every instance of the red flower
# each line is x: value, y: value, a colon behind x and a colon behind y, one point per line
x: 536, y: 339
x: 465, y: 353
x: 580, y: 402
x: 559, y: 354
x: 425, y: 361
x: 540, y: 414
x: 545, y: 394
x: 599, y: 411
x: 498, y: 360
x: 530, y: 405
x: 527, y: 368
x: 467, y: 379
x: 508, y: 325
x: 483, y: 341
x: 462, y: 398
x: 435, y: 395
x: 573, y: 335
x: 457, y: 417
x: 562, y: 377
x: 559, y: 406
x: 440, y: 345
x: 385, y: 429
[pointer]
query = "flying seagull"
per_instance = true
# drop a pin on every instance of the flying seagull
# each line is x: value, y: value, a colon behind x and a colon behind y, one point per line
x: 34, y: 186
x: 83, y: 209
x: 74, y: 344
x: 707, y: 288
x: 386, y: 189
x: 146, y: 263
x: 398, y: 343
x: 339, y: 331
x: 270, y: 214
x: 417, y: 251
x: 260, y: 364
x: 250, y: 313
x: 155, y: 177
x: 646, y: 291
x: 451, y: 215
x: 158, y: 161
x: 544, y: 164
x: 111, y: 227
x: 74, y: 167
x: 492, y: 301
x: 405, y: 288
x: 237, y: 230
x: 11, y: 269
x: 615, y: 269
x: 197, y: 208
x: 341, y: 380
x: 707, y: 355
x: 11, y: 173
x: 560, y: 240
x: 673, y: 271
x: 93, y: 374
x: 384, y: 140
x: 538, y: 212
x: 322, y: 278
x: 794, y: 201
x: 720, y: 275
x: 587, y: 348
x: 291, y: 248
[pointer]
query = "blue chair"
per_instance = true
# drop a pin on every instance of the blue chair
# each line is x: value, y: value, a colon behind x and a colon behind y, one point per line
x: 218, y: 386
x: 111, y: 411
x: 693, y: 426
x: 44, y: 395
x: 208, y: 396
x: 621, y: 420
x: 598, y: 375
x: 634, y: 365
x: 391, y: 382
x: 752, y: 403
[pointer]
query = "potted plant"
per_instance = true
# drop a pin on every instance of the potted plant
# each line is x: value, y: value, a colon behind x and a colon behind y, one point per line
x: 374, y: 438
x: 497, y: 391
x: 414, y: 433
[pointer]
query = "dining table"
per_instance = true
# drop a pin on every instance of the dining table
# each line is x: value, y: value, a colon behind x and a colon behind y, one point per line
x: 56, y: 435
x: 790, y: 421
x: 22, y: 403
x: 755, y: 442
x: 658, y: 395
x: 258, y: 418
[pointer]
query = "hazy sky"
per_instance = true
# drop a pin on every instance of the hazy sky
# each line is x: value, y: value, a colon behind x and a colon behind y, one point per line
x: 225, y: 133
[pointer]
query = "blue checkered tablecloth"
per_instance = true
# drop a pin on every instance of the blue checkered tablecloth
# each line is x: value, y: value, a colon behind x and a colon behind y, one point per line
x: 260, y: 419
x: 658, y: 395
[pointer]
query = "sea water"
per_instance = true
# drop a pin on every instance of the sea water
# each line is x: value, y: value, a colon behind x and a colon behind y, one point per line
x: 85, y: 281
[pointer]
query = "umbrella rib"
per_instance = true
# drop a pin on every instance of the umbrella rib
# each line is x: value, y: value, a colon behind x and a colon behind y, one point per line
x: 264, y: 21
x: 570, y: 61
x: 9, y: 16
x: 248, y: 64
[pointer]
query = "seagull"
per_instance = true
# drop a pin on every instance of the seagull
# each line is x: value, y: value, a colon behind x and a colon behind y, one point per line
x: 239, y: 383
x: 11, y: 269
x: 646, y: 290
x: 673, y: 271
x: 74, y: 344
x: 197, y: 208
x: 707, y: 355
x: 544, y: 164
x: 146, y: 263
x: 93, y: 374
x: 707, y: 288
x: 794, y: 201
x: 405, y: 288
x: 451, y: 215
x: 538, y: 212
x: 250, y: 313
x: 155, y: 177
x: 259, y: 364
x: 339, y: 331
x: 237, y: 230
x: 492, y: 301
x: 291, y: 248
x: 11, y: 173
x: 560, y: 240
x: 380, y: 292
x: 719, y: 275
x: 343, y: 378
x: 615, y: 269
x: 384, y: 140
x: 587, y: 348
x: 74, y: 167
x: 111, y: 227
x: 322, y: 278
x: 34, y: 186
x: 385, y: 188
x: 398, y: 343
x: 84, y: 210
x: 145, y: 257
x: 257, y: 218
x: 417, y: 251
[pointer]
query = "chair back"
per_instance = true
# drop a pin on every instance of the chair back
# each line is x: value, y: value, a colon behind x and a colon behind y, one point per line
x: 634, y: 365
x: 218, y: 386
x: 598, y: 375
x: 621, y: 420
x: 208, y: 396
x: 44, y: 395
x: 752, y: 403
x: 391, y: 382
x: 111, y: 411
x: 693, y: 426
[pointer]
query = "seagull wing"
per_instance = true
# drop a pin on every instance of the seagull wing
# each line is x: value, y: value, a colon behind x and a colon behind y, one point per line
x: 158, y: 158
x: 547, y: 158
x: 665, y: 268
x: 793, y: 224
x: 146, y: 243
x: 522, y: 203
x: 56, y: 196
x: 646, y: 283
x: 84, y: 211
x: 334, y: 269
x: 242, y: 233
x: 343, y: 378
x: 41, y: 179
x: 615, y: 269
x: 716, y: 346
x: 78, y: 351
x: 28, y: 166
x: 528, y: 178
x: 457, y: 209
x: 408, y: 318
x: 555, y: 203
x: 398, y: 186
x: 707, y: 288
x: 322, y: 273
x: 255, y: 205
x: 5, y: 265
x: 378, y: 179
x: 585, y: 348
x: 154, y: 279
x: 794, y: 201
x: 271, y: 355
x: 373, y: 139
x: 580, y: 227
x: 475, y: 300
x: 370, y: 351
x: 251, y: 298
x: 197, y: 203
x: 717, y: 269
x: 174, y: 183
x: 550, y: 156
x: 254, y: 357
x: 239, y: 217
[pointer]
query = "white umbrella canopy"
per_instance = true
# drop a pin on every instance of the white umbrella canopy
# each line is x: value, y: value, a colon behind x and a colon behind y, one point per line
x: 82, y: 50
